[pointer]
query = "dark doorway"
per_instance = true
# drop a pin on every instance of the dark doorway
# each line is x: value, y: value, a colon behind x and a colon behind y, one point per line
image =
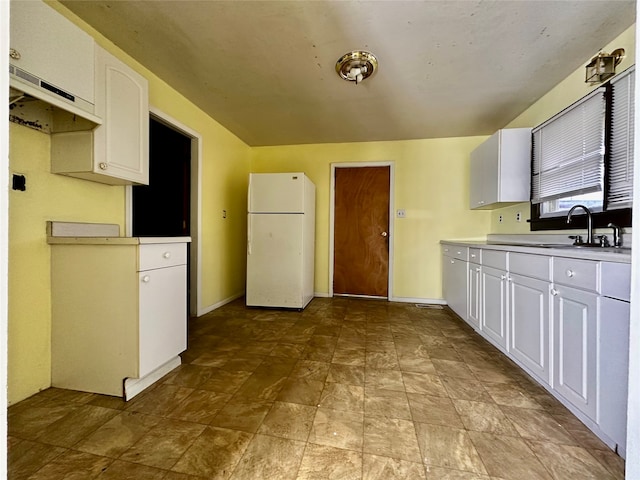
x: 162, y: 208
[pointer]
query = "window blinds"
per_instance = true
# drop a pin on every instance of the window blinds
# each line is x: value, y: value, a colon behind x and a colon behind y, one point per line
x: 568, y: 151
x: 620, y: 191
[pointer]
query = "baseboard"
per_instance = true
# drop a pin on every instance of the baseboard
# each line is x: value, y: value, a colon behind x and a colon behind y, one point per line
x: 428, y: 301
x: 134, y: 386
x: 219, y: 304
x: 321, y: 294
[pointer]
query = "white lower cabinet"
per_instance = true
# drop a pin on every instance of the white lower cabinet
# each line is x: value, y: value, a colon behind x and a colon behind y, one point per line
x: 455, y: 279
x: 529, y: 324
x: 119, y: 312
x: 575, y: 345
x: 494, y: 306
x: 475, y: 295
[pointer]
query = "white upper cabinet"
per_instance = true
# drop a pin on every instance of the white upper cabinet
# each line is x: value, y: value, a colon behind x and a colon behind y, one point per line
x: 116, y: 152
x: 501, y: 169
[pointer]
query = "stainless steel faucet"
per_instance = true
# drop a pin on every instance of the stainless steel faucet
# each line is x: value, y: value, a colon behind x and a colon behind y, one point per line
x: 617, y: 239
x: 589, y: 222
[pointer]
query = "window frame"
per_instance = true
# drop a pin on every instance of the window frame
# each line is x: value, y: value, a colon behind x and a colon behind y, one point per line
x: 621, y: 216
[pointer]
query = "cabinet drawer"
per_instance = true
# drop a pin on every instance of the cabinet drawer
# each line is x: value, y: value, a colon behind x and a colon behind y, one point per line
x: 536, y: 266
x: 160, y: 255
x: 456, y: 251
x: 615, y: 280
x: 576, y: 273
x: 494, y: 258
x: 475, y: 255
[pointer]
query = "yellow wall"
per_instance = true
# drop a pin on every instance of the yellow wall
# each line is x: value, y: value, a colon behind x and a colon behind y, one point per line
x: 225, y: 167
x: 431, y: 184
x: 564, y: 94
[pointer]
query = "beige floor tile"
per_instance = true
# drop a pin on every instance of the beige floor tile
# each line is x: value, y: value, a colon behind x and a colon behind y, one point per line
x: 451, y: 368
x: 310, y: 370
x: 302, y: 391
x: 386, y: 403
x: 465, y: 389
x: 424, y: 384
x: 391, y: 437
x: 566, y: 462
x: 72, y: 465
x: 376, y: 467
x: 118, y: 434
x: 484, y: 417
x: 223, y: 381
x: 347, y: 398
x: 611, y: 461
x: 238, y: 415
x: 322, y: 462
x: 380, y: 378
x: 270, y: 457
x: 538, y: 425
x: 261, y: 387
x: 346, y: 374
x: 200, y: 407
x: 508, y: 457
x: 337, y: 429
x: 288, y: 420
x: 214, y: 454
x: 26, y: 457
x: 160, y: 400
x: 449, y: 448
x: 164, y: 444
x: 511, y: 395
x: 349, y: 356
x: 27, y: 422
x: 437, y: 473
x: 434, y: 410
x: 384, y: 360
x: 243, y: 363
x: 120, y: 470
x: 190, y: 376
x: 70, y: 429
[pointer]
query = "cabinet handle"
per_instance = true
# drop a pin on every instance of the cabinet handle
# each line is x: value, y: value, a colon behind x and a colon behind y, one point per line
x: 503, y: 277
x: 473, y: 255
x: 146, y: 279
x: 458, y: 253
x: 166, y: 254
x: 453, y: 261
x: 554, y: 292
x: 102, y: 165
x: 477, y: 269
x: 569, y: 273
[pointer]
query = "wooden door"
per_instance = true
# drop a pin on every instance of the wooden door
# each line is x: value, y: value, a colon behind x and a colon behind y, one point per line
x: 361, y: 231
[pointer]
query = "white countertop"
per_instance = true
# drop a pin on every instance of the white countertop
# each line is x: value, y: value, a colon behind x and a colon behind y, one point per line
x: 606, y: 254
x: 114, y: 240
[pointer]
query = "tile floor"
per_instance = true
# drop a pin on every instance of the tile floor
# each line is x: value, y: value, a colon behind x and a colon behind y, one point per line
x: 347, y: 389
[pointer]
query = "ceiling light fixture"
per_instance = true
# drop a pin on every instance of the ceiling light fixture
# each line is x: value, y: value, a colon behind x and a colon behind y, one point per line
x: 356, y: 66
x: 603, y: 66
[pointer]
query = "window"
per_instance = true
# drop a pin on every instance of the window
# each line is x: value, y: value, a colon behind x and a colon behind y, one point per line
x: 584, y: 155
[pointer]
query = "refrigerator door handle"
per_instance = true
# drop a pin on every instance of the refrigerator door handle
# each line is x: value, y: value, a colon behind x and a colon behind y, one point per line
x: 249, y: 235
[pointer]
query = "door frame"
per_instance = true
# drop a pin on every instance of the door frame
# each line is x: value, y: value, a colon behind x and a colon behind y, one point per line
x: 195, y: 271
x: 332, y: 206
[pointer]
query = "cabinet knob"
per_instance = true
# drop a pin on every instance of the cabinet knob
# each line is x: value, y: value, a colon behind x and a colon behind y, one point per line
x: 477, y: 269
x: 473, y: 255
x: 569, y: 273
x: 453, y: 261
x: 166, y: 254
x: 554, y: 292
x: 102, y: 165
x: 146, y: 279
x: 446, y: 249
x: 459, y: 252
x: 503, y: 277
x: 13, y: 53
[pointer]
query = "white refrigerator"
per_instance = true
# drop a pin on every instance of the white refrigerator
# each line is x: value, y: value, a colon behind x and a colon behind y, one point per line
x: 281, y: 240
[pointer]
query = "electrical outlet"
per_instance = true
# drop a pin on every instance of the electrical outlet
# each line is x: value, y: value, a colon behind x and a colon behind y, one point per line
x: 518, y: 217
x: 224, y: 214
x: 500, y: 219
x: 401, y: 213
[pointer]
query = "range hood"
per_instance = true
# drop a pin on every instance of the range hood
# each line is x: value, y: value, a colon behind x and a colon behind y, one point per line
x: 51, y: 71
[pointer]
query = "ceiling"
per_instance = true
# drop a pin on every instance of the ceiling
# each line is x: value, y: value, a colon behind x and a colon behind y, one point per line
x: 447, y: 68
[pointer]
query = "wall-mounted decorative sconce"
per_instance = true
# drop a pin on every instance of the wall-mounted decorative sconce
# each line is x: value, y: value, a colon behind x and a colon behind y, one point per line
x: 356, y: 66
x: 603, y: 66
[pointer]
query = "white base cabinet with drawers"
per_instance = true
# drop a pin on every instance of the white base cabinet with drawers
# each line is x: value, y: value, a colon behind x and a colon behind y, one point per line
x: 565, y: 321
x: 454, y: 278
x: 119, y: 312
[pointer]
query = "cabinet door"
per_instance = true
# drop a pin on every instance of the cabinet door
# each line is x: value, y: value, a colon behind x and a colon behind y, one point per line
x: 475, y: 296
x: 122, y: 141
x: 529, y: 324
x: 163, y: 316
x: 455, y: 284
x: 613, y: 368
x: 494, y: 306
x: 575, y: 343
x: 476, y: 185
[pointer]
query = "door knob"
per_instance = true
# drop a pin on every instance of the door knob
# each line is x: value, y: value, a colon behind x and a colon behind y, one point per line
x: 384, y: 234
